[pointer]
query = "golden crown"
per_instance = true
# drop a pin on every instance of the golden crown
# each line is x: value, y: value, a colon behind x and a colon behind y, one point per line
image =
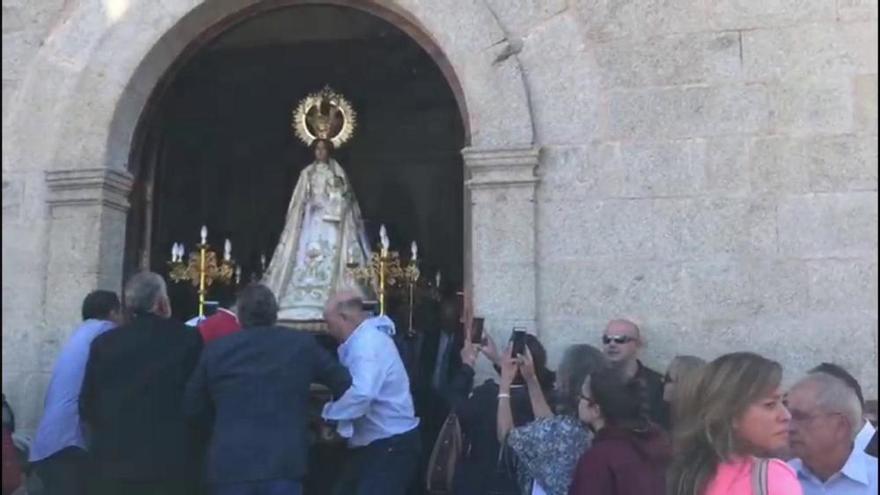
x: 324, y: 115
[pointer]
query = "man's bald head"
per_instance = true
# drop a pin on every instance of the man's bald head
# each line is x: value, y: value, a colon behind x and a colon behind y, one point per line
x: 622, y: 341
x: 343, y: 312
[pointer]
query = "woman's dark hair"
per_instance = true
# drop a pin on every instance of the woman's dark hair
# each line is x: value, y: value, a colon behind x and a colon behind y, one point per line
x: 257, y: 306
x: 539, y: 358
x: 578, y: 362
x: 99, y: 304
x: 623, y: 403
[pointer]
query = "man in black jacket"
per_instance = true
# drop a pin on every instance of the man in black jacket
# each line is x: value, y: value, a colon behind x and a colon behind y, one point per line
x: 622, y: 342
x: 131, y: 398
x: 256, y: 384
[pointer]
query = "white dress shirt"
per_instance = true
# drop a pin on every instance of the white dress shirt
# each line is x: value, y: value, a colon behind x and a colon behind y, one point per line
x: 858, y: 476
x: 379, y: 403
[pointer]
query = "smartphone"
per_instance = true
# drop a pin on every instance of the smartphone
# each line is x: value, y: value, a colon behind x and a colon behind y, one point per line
x: 477, y: 331
x: 519, y: 341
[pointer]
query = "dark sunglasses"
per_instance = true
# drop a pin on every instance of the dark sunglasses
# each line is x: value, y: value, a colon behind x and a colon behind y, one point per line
x: 667, y: 379
x: 617, y: 339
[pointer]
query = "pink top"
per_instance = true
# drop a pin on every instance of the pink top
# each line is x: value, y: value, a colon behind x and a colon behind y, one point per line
x: 735, y: 478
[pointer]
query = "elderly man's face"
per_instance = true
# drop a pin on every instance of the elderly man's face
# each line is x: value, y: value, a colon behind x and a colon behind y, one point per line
x: 814, y: 432
x: 620, y: 342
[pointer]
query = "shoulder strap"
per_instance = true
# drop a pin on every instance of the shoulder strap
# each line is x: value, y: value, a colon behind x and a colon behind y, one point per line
x: 759, y: 476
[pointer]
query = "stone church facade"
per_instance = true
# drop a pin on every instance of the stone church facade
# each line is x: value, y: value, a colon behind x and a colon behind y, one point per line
x: 707, y: 168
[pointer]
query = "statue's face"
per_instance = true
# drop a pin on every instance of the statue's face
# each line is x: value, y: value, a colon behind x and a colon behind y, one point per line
x: 322, y: 152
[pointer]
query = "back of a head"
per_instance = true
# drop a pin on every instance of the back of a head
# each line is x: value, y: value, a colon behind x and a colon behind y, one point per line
x: 99, y: 304
x: 578, y: 362
x: 143, y: 291
x: 257, y: 306
x: 623, y: 402
x: 704, y: 435
x: 539, y: 360
x: 840, y: 373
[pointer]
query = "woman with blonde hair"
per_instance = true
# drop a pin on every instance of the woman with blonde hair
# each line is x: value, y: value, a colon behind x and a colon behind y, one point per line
x: 729, y: 422
x: 682, y: 373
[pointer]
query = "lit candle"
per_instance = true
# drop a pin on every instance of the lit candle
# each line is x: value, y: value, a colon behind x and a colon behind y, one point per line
x: 437, y: 279
x: 204, y: 234
x: 383, y: 237
x: 227, y: 250
x: 178, y: 251
x: 174, y: 252
x: 238, y: 275
x: 415, y: 251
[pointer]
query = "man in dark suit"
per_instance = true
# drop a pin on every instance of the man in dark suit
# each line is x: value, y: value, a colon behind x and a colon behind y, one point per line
x: 256, y: 384
x: 132, y: 394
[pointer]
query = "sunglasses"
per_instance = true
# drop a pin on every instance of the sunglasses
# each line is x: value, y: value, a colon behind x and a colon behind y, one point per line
x: 617, y: 339
x: 667, y: 379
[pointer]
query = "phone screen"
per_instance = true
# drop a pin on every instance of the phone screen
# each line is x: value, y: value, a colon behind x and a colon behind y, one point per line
x: 519, y: 341
x: 477, y: 331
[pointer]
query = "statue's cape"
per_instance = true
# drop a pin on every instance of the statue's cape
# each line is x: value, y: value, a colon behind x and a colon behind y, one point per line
x: 281, y: 267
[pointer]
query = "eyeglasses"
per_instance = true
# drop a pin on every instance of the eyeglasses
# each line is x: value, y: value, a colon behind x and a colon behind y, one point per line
x: 803, y: 418
x: 617, y: 339
x: 667, y: 379
x: 590, y: 401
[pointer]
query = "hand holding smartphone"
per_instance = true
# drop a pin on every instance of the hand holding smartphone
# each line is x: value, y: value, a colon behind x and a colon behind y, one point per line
x: 477, y: 330
x: 518, y: 340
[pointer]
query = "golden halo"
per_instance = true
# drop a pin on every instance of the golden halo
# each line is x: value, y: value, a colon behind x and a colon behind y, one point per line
x: 324, y: 115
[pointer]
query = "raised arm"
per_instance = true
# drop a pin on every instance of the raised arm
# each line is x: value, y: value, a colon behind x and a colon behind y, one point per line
x: 509, y: 365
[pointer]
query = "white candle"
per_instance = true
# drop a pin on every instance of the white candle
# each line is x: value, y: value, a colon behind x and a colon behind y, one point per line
x: 437, y: 280
x: 204, y: 234
x: 415, y: 251
x: 178, y: 251
x: 383, y: 237
x: 238, y: 275
x: 227, y: 250
x: 263, y: 261
x: 174, y: 252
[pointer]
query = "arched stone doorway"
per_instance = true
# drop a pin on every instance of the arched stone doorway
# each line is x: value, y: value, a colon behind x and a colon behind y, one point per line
x: 85, y: 92
x: 214, y: 145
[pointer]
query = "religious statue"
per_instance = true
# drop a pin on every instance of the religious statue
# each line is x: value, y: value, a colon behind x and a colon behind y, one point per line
x: 323, y: 233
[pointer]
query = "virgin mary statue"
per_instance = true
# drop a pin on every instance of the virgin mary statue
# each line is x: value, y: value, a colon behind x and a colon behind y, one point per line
x: 323, y: 231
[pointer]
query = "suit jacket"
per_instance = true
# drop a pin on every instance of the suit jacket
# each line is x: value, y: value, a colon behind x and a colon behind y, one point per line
x: 255, y: 383
x: 132, y: 397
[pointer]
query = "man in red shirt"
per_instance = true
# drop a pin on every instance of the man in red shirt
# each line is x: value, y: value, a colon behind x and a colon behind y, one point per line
x: 220, y: 324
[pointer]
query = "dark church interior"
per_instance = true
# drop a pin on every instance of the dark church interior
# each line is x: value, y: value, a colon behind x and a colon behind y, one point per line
x: 216, y: 146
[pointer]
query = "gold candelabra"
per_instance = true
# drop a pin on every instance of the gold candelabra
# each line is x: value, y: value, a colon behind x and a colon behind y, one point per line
x: 385, y: 270
x: 202, y: 268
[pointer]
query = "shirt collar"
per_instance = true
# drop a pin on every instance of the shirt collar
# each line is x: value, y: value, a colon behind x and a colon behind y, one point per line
x: 853, y: 468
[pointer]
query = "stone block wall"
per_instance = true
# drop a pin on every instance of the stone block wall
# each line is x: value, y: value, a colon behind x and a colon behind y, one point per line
x: 708, y: 169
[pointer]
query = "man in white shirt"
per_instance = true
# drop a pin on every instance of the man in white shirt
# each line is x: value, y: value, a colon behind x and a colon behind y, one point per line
x: 837, y: 371
x: 825, y: 419
x: 376, y: 414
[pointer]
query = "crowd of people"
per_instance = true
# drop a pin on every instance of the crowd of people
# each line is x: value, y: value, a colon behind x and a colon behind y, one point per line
x: 139, y: 403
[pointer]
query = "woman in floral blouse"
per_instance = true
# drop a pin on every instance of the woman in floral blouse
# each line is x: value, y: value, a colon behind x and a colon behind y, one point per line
x: 546, y: 451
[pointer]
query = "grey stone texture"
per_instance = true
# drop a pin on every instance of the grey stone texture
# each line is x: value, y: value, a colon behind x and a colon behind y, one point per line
x: 708, y: 169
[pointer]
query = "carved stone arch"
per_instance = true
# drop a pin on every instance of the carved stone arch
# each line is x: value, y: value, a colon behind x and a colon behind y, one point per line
x: 84, y: 93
